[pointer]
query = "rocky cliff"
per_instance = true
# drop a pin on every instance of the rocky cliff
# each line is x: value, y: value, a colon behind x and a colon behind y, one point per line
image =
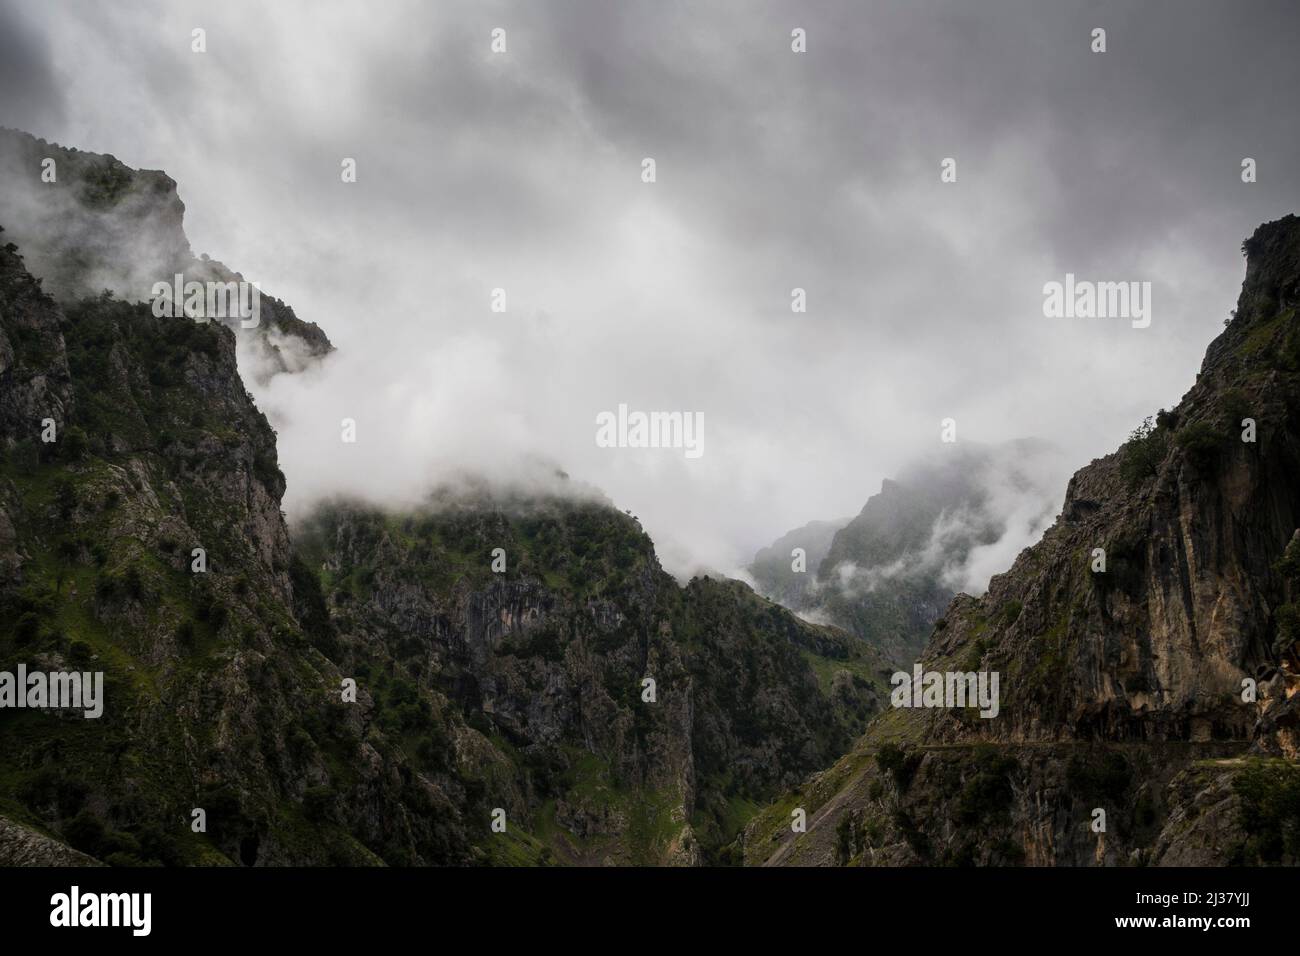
x: 628, y: 719
x: 129, y: 442
x: 1146, y: 648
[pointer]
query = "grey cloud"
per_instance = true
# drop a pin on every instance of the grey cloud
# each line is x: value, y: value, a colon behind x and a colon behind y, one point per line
x: 30, y: 97
x: 775, y: 171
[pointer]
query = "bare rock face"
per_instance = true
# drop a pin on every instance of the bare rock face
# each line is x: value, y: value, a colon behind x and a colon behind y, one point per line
x: 1195, y: 524
x: 1148, y: 641
x: 33, y: 363
x: 23, y: 846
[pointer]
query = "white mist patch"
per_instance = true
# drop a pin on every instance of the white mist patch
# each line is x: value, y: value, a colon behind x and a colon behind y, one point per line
x: 1015, y: 494
x: 1021, y: 500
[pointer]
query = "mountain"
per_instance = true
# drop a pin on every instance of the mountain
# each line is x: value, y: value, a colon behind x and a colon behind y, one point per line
x: 365, y: 688
x: 214, y: 697
x: 887, y: 574
x: 100, y: 225
x: 1148, y: 709
x: 547, y: 659
x: 772, y: 570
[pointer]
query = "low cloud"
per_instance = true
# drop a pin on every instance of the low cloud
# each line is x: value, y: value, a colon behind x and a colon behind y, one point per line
x: 775, y: 171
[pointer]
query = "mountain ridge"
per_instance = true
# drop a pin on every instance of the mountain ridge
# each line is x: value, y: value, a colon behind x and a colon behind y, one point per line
x: 886, y: 574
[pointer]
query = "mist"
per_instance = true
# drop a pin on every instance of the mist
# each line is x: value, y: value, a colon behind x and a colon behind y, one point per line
x: 521, y: 171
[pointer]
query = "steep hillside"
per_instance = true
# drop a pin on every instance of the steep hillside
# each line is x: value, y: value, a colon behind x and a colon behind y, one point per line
x: 547, y: 656
x: 1160, y: 690
x: 214, y: 699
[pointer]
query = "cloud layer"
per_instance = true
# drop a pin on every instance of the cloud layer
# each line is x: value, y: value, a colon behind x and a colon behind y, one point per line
x: 775, y: 170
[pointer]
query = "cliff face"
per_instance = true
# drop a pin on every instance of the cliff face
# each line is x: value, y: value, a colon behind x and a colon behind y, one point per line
x: 1194, y: 522
x: 547, y: 657
x: 213, y: 697
x: 1155, y: 689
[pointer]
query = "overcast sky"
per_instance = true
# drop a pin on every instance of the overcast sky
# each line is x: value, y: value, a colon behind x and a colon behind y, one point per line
x: 775, y: 170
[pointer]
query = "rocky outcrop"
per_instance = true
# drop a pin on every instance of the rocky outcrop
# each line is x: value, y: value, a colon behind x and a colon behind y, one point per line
x: 23, y: 846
